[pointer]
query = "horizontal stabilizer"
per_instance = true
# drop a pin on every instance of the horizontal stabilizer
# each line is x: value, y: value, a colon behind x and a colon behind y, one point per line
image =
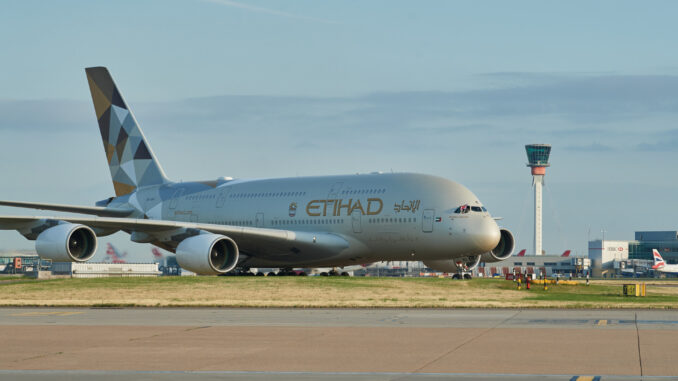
x: 93, y: 210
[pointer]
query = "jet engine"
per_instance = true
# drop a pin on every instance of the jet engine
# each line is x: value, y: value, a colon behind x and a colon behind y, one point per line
x: 207, y: 254
x: 454, y: 265
x: 67, y: 243
x: 503, y: 250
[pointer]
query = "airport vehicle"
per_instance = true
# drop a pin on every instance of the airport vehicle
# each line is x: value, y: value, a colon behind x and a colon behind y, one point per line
x: 661, y: 266
x: 217, y: 225
x: 113, y: 255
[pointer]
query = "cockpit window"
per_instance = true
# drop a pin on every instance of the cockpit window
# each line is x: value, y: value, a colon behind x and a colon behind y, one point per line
x: 467, y: 208
x: 462, y: 209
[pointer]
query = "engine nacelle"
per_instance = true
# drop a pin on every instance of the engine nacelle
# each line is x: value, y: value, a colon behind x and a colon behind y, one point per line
x: 454, y: 265
x: 207, y: 254
x: 67, y: 243
x: 503, y: 250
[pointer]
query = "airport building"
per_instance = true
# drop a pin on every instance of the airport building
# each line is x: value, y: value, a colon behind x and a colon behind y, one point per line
x: 549, y: 265
x: 102, y: 270
x: 666, y: 242
x: 632, y: 258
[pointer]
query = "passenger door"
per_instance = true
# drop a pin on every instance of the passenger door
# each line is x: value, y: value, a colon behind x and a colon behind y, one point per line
x: 259, y: 220
x: 223, y: 195
x: 356, y: 220
x: 333, y: 194
x: 427, y: 220
x: 175, y: 198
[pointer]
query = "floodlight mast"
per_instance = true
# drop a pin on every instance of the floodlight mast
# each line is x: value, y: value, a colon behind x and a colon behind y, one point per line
x: 538, y: 160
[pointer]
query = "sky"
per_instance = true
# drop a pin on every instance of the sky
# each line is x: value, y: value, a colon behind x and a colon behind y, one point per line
x: 255, y: 89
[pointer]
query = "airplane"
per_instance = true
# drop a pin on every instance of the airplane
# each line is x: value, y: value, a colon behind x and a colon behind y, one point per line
x: 566, y: 253
x: 216, y: 226
x: 157, y: 255
x: 113, y: 255
x: 661, y: 266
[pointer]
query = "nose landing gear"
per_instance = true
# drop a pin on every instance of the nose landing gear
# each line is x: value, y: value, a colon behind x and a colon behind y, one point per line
x: 462, y: 272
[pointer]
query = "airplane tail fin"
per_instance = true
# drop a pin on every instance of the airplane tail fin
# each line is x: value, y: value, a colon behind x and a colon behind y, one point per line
x: 658, y: 260
x: 521, y: 254
x: 130, y: 158
x: 156, y: 253
x: 566, y: 253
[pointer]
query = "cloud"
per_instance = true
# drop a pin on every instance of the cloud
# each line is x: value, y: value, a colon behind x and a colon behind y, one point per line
x: 578, y: 113
x: 666, y: 141
x: 593, y: 147
x: 50, y: 114
x: 252, y: 8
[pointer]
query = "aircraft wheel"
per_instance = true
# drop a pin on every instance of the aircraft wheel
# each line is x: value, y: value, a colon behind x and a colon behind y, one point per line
x: 468, y: 276
x: 324, y: 274
x: 344, y: 273
x: 456, y: 276
x: 271, y: 274
x: 260, y: 274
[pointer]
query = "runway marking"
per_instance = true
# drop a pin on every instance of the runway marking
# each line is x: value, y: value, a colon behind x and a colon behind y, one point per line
x: 49, y: 313
x: 601, y: 322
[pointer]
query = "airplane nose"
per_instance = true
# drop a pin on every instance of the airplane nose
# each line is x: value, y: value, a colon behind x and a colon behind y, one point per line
x: 485, y: 234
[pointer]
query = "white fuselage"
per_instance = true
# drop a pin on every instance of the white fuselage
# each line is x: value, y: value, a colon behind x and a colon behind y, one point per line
x: 382, y: 216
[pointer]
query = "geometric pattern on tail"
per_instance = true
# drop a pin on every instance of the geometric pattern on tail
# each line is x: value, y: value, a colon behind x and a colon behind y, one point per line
x: 130, y: 159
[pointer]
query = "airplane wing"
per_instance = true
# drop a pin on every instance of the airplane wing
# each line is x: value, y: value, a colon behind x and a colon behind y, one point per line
x: 252, y: 241
x: 95, y: 210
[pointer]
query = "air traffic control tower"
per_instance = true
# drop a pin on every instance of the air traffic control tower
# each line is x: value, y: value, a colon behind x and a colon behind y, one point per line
x: 538, y: 160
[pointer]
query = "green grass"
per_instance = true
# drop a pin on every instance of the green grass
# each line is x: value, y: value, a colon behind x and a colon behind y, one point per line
x: 323, y: 291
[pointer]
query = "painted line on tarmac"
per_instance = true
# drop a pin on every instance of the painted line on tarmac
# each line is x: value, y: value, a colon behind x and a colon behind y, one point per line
x: 600, y: 322
x: 48, y: 313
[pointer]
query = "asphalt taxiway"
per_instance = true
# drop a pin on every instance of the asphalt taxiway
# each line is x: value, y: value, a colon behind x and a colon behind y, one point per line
x: 357, y: 344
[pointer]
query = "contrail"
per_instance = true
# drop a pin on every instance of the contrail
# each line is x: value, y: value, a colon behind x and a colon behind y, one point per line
x: 252, y: 8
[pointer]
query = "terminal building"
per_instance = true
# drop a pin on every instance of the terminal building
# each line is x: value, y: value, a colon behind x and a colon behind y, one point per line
x: 666, y: 242
x: 632, y: 258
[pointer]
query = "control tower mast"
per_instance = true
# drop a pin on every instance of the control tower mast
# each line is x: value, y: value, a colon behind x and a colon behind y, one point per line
x: 538, y: 160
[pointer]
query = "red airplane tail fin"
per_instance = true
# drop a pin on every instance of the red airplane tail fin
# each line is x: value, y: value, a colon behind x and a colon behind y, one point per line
x: 566, y: 253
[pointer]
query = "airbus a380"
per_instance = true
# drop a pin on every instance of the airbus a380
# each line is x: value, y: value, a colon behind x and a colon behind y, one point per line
x: 219, y: 225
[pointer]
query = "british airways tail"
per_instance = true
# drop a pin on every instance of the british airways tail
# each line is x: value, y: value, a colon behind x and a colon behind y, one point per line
x: 658, y: 260
x: 130, y: 158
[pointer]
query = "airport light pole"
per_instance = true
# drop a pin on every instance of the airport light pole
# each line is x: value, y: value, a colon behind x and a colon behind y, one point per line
x: 538, y: 160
